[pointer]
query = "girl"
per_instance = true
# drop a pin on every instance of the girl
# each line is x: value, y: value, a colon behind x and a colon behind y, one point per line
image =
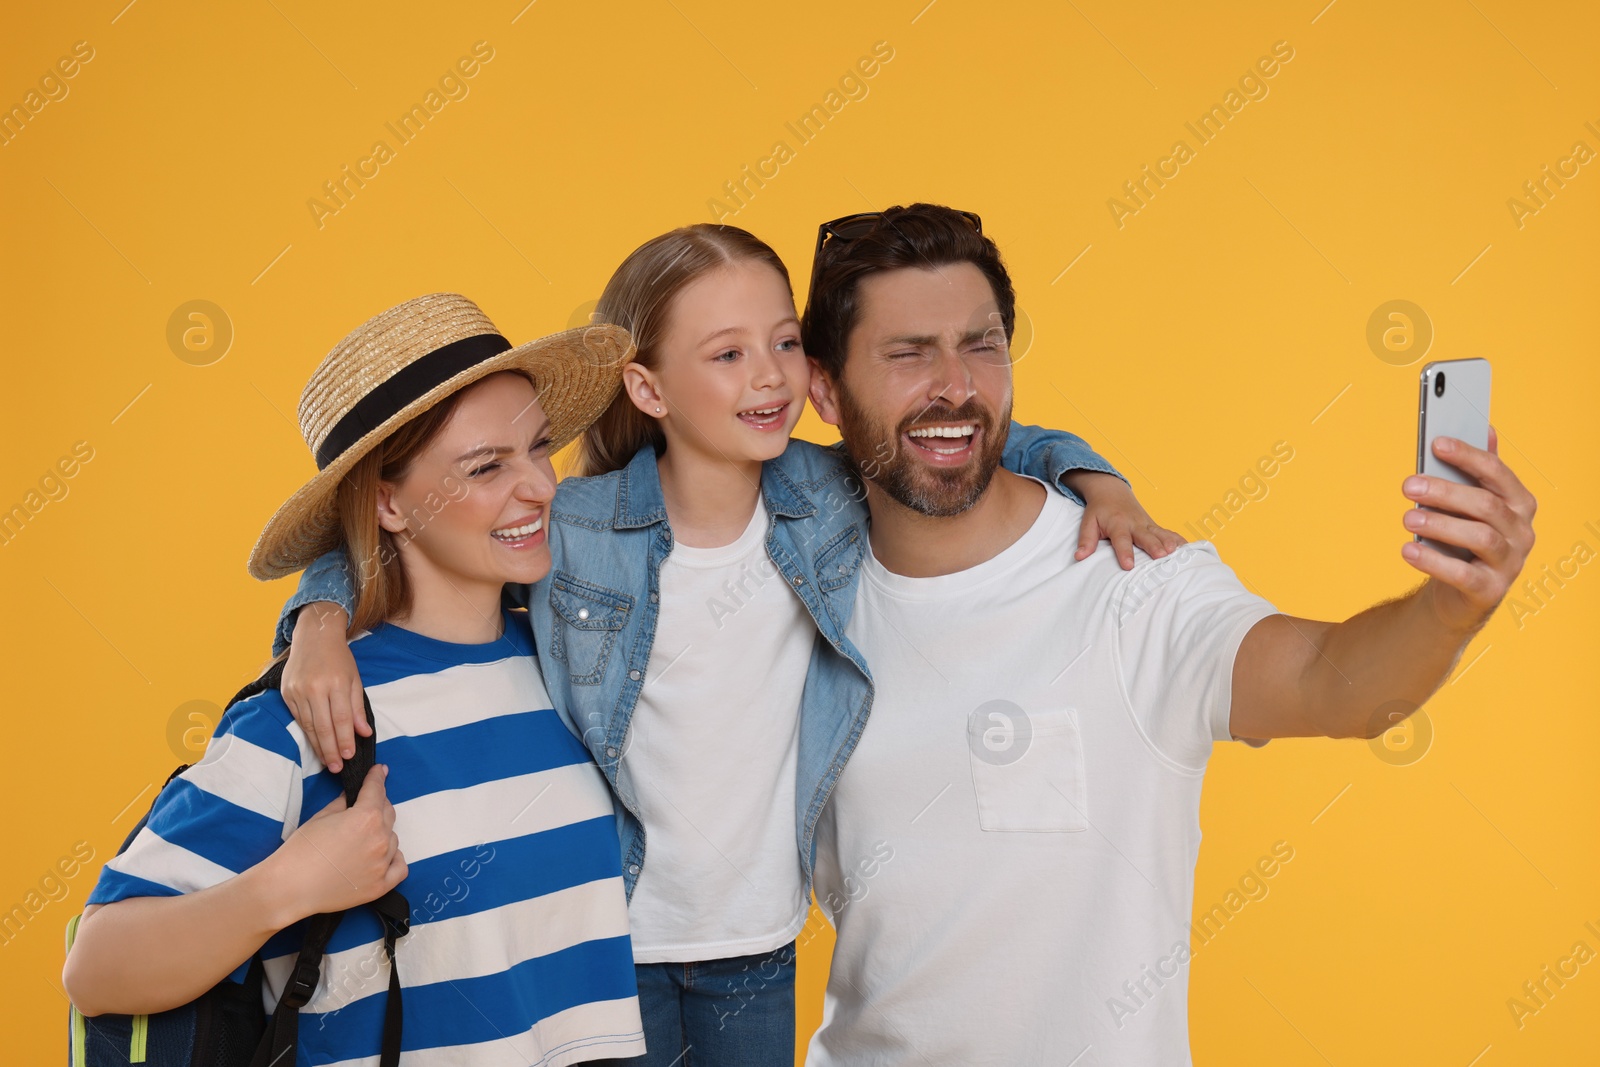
x: 434, y: 437
x: 691, y: 628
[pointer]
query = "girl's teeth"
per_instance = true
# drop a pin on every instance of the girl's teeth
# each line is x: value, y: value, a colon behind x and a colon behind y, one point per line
x: 517, y: 533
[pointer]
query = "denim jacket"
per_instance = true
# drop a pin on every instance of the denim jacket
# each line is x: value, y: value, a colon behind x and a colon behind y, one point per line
x: 594, y: 615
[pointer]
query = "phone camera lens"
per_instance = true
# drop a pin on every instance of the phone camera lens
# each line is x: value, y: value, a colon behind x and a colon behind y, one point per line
x: 1438, y: 384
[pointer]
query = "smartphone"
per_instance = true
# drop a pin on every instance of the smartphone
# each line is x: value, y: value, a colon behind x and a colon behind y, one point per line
x: 1455, y: 403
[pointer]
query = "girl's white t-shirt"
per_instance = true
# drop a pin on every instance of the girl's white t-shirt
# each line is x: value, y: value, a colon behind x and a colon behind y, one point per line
x: 711, y: 756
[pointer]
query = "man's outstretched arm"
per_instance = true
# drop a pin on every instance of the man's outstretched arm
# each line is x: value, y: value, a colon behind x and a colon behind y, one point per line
x: 1301, y: 678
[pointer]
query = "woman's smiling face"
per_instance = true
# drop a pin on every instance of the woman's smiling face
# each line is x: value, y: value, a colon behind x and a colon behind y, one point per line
x: 472, y: 506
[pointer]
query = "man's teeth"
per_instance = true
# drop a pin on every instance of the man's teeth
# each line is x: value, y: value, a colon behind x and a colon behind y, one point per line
x: 517, y: 533
x: 942, y: 431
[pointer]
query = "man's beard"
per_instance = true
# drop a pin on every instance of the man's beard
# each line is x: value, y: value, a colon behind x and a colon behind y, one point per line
x: 880, y: 456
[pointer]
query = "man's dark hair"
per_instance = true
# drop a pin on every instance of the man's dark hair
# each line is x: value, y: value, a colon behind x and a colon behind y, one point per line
x: 928, y: 236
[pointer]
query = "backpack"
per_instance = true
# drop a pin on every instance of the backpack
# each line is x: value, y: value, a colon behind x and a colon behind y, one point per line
x: 227, y: 1025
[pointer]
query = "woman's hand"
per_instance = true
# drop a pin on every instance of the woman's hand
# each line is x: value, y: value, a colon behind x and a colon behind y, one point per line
x: 342, y: 856
x: 322, y: 686
x: 145, y: 955
x: 1111, y: 512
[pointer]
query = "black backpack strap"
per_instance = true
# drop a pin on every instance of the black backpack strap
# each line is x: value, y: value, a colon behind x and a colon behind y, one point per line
x: 272, y: 678
x: 278, y: 1045
x: 395, y: 911
x: 392, y: 907
x: 354, y: 771
x: 277, y: 1048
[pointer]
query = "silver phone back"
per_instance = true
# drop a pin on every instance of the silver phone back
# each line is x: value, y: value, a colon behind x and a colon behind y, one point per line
x: 1461, y: 412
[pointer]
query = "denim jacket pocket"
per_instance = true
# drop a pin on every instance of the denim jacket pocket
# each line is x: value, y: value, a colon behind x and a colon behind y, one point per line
x: 588, y: 618
x: 838, y: 560
x: 1027, y: 769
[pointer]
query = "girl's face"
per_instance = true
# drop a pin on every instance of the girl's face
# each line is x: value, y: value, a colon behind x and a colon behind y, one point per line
x: 730, y: 378
x: 471, y: 509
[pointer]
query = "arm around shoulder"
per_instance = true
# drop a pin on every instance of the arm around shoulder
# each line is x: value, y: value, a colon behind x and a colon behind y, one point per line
x: 328, y: 580
x: 1051, y: 455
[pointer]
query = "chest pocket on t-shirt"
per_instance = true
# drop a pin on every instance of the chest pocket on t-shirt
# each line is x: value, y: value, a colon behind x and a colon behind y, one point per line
x: 1027, y: 768
x: 588, y: 619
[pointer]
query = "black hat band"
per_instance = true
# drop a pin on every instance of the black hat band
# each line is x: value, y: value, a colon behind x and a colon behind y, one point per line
x: 410, y: 383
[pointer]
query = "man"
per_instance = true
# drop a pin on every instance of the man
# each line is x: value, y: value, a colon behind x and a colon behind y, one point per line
x: 1011, y: 849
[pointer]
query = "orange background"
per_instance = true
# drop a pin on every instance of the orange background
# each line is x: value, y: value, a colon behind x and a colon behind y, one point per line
x: 1228, y: 313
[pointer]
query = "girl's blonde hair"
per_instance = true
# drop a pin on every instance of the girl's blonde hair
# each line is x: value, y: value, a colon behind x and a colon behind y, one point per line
x: 639, y: 298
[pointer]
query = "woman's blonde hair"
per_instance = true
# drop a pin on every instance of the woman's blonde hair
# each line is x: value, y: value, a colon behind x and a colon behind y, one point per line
x: 379, y: 579
x: 639, y: 298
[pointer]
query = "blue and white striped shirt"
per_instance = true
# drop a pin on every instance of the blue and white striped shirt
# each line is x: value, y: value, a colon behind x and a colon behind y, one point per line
x: 518, y: 952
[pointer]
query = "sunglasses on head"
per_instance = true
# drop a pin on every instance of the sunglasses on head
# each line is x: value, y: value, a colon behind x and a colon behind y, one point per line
x: 849, y: 227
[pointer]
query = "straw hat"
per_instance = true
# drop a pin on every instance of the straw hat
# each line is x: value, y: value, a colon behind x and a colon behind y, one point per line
x: 400, y: 363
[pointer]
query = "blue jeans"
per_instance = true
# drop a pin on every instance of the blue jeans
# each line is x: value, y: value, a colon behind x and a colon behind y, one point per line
x: 736, y: 1012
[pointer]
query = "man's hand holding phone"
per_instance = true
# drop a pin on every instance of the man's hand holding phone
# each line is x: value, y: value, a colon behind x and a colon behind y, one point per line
x: 1493, y: 520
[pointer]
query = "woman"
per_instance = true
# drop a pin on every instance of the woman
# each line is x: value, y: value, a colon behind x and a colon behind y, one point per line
x: 434, y: 437
x: 690, y: 629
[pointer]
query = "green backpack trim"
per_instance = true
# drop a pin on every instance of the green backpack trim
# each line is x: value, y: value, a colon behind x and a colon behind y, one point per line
x: 80, y: 1029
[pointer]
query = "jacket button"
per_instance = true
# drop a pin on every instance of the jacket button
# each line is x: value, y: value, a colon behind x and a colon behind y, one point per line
x: 799, y: 580
x: 611, y: 751
x: 633, y: 868
x: 654, y: 598
x: 634, y: 675
x: 583, y: 613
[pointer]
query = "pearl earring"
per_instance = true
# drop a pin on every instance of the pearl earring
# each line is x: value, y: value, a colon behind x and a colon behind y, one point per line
x: 658, y: 411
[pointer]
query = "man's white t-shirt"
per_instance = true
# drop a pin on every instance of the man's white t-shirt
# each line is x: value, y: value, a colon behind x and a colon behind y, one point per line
x: 711, y: 755
x: 1014, y: 838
